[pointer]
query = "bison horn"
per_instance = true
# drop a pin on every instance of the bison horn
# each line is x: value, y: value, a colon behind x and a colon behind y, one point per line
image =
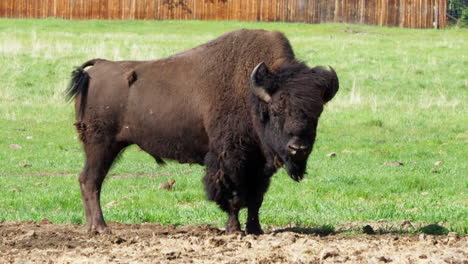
x: 332, y: 86
x: 257, y: 81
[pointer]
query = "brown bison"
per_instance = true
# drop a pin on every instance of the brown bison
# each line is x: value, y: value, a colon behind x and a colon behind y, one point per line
x: 241, y: 105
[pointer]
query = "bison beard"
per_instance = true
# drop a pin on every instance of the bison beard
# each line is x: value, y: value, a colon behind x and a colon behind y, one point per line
x: 241, y: 105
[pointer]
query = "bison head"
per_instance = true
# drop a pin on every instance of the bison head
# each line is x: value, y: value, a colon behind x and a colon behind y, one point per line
x: 287, y: 104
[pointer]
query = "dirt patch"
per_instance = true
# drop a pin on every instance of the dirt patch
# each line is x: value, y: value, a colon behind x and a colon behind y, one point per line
x: 29, y: 242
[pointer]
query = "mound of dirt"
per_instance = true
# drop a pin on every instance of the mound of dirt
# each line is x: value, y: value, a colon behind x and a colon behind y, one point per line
x: 29, y: 242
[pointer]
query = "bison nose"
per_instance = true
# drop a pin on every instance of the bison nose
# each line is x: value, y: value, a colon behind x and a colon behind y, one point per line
x: 295, y: 148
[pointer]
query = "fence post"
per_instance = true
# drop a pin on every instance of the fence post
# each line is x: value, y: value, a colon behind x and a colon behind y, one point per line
x: 436, y: 16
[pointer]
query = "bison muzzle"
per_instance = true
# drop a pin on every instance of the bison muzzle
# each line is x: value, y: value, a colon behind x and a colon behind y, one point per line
x: 241, y: 105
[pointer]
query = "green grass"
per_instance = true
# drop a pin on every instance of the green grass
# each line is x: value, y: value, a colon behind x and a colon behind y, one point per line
x: 403, y: 97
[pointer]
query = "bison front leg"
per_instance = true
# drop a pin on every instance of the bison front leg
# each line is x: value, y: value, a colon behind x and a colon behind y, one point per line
x: 257, y: 190
x: 222, y: 189
x: 99, y: 159
x: 252, y: 226
x: 226, y: 197
x: 233, y: 224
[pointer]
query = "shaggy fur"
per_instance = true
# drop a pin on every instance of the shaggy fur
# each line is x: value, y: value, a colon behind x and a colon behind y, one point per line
x: 198, y: 107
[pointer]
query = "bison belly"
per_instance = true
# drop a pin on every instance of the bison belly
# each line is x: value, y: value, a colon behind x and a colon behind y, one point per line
x: 164, y: 123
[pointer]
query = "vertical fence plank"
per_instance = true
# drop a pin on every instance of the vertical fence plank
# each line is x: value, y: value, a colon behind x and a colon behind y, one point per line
x: 36, y: 9
x: 46, y: 8
x: 430, y: 13
x: 9, y: 9
x: 443, y: 22
x: 3, y: 5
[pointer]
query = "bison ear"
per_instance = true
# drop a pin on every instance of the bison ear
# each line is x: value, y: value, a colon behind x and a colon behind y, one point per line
x: 331, y: 86
x: 260, y: 82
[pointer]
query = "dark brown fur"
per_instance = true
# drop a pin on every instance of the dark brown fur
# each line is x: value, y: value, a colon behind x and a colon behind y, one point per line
x: 198, y: 107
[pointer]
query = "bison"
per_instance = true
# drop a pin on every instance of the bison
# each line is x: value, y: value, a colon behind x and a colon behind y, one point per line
x: 241, y: 105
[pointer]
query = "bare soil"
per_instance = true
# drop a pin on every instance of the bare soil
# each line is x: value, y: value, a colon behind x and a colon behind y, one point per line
x: 30, y: 242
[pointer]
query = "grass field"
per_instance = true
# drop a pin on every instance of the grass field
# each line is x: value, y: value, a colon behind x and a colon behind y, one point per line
x: 403, y: 98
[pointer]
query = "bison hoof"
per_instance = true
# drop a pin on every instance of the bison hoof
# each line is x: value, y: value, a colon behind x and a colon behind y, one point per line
x: 233, y: 230
x: 253, y: 229
x: 99, y: 230
x: 233, y: 225
x: 230, y: 229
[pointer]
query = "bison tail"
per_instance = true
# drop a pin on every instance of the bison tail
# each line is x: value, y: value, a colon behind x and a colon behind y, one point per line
x: 79, y: 85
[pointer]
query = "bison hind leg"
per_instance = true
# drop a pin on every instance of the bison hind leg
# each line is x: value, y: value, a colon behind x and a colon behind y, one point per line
x: 99, y: 159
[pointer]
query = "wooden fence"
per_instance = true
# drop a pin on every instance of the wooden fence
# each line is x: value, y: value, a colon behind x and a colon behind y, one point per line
x: 401, y: 13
